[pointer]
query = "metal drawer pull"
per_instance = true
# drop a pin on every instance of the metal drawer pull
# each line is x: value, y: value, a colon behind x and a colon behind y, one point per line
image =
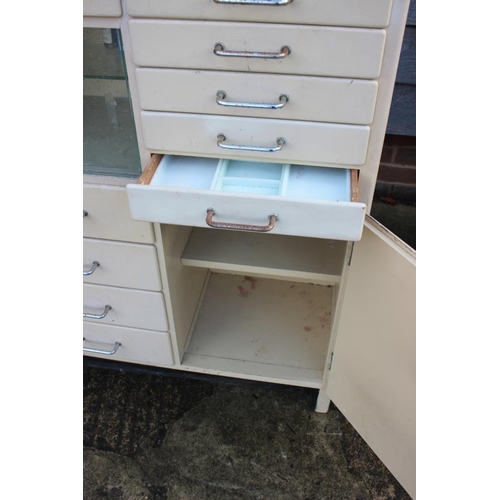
x: 101, y: 351
x: 219, y: 50
x: 107, y: 308
x: 273, y: 3
x: 85, y: 213
x: 280, y: 141
x: 221, y: 95
x: 95, y: 265
x: 240, y: 227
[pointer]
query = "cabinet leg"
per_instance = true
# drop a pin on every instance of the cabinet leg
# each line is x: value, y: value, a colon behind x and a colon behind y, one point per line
x: 323, y: 402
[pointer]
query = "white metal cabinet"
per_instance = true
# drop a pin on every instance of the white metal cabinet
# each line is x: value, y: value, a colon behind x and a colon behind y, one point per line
x: 197, y: 290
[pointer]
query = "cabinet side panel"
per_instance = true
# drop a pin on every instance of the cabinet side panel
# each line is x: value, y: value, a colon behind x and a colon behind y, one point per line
x: 185, y: 283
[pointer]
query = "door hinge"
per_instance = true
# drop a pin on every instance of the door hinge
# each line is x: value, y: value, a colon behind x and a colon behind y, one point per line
x: 331, y: 362
x: 350, y: 256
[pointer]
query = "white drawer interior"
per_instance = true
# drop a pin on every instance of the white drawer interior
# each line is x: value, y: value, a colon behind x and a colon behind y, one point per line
x: 236, y: 176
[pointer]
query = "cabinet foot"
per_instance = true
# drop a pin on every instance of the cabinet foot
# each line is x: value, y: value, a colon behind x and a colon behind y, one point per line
x: 323, y: 402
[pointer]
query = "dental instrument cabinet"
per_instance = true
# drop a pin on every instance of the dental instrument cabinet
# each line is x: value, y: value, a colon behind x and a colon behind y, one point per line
x: 231, y: 150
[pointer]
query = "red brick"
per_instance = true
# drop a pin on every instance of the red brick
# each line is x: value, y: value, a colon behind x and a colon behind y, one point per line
x: 387, y: 154
x: 405, y: 156
x: 400, y: 140
x: 402, y: 175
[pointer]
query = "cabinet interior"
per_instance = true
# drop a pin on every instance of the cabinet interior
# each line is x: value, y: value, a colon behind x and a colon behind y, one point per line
x: 252, y: 305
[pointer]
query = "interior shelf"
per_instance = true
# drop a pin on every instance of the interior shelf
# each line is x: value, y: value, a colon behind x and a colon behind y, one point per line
x: 308, y: 260
x: 262, y: 328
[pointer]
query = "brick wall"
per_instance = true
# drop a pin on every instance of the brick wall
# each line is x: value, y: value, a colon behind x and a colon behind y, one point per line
x: 397, y: 172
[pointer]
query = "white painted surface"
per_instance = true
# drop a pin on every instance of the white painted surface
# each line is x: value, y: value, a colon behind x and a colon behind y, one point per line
x: 314, y: 99
x: 372, y: 380
x: 109, y: 216
x: 102, y: 8
x: 137, y: 346
x: 188, y: 207
x: 126, y: 265
x: 325, y: 144
x: 133, y: 308
x: 369, y: 13
x: 319, y: 51
x: 262, y: 321
x: 307, y: 259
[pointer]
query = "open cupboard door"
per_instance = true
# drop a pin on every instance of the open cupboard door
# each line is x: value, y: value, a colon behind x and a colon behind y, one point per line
x: 372, y: 380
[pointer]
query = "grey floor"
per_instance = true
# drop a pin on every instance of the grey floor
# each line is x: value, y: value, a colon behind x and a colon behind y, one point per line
x: 156, y: 435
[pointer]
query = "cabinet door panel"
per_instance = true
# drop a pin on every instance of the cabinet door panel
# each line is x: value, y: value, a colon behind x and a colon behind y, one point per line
x: 372, y: 380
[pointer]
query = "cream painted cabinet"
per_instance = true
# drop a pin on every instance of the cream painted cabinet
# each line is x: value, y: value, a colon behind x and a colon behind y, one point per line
x: 242, y: 246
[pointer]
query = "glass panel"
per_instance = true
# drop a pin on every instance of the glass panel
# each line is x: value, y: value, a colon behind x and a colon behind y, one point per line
x: 109, y: 137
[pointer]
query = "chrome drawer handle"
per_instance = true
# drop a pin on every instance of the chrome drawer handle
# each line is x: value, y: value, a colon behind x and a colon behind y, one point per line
x: 101, y: 351
x: 219, y: 50
x: 240, y: 227
x: 221, y: 95
x: 95, y: 265
x: 261, y: 149
x: 107, y: 308
x: 85, y: 213
x: 273, y: 3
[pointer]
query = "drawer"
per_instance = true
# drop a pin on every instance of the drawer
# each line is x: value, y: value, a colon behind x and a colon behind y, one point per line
x: 136, y: 346
x: 305, y: 142
x: 102, y: 8
x: 133, y: 308
x: 258, y: 95
x: 320, y: 51
x: 367, y: 13
x: 307, y: 201
x: 126, y: 265
x: 108, y: 216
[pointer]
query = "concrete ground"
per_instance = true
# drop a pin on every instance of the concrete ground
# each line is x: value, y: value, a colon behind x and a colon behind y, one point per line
x: 152, y: 436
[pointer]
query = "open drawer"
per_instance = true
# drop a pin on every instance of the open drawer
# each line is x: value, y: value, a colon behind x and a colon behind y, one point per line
x: 286, y: 199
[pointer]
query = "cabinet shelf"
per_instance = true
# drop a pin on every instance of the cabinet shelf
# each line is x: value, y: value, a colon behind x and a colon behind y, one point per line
x: 262, y: 329
x: 310, y: 260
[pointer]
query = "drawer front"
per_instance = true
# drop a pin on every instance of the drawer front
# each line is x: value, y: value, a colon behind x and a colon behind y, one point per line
x: 313, y: 99
x: 306, y: 143
x: 133, y: 308
x: 341, y: 52
x: 108, y: 216
x: 102, y: 8
x: 367, y: 13
x: 136, y: 346
x: 121, y: 264
x: 312, y: 218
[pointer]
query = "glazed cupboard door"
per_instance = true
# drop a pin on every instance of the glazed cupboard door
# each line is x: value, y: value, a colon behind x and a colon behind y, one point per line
x: 372, y: 380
